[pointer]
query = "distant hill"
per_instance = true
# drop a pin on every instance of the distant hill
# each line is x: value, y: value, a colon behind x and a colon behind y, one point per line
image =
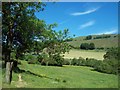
x: 100, y: 41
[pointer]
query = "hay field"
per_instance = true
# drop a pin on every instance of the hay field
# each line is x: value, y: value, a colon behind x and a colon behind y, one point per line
x: 85, y: 54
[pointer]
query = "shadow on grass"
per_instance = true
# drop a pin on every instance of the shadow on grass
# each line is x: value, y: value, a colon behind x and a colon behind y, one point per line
x: 18, y: 70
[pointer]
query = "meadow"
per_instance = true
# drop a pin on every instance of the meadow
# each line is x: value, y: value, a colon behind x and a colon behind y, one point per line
x: 75, y: 53
x: 37, y: 76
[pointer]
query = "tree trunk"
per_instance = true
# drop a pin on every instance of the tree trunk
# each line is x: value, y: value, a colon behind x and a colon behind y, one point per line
x: 9, y: 63
x: 8, y: 72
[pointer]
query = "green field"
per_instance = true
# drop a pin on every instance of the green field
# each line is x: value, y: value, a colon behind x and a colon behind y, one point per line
x: 37, y: 76
x: 85, y: 54
x: 104, y: 42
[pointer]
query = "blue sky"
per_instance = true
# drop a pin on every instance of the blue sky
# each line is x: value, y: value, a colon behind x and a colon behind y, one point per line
x: 82, y: 18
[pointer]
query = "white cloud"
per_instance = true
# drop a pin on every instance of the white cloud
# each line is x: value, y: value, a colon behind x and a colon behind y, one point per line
x: 88, y: 24
x: 85, y: 12
x: 112, y: 31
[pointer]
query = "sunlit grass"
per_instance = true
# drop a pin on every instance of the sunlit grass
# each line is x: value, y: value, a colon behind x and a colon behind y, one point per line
x: 63, y: 77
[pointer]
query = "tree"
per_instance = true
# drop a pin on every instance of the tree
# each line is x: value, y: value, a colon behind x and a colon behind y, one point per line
x: 87, y: 46
x: 91, y: 46
x: 84, y: 46
x: 55, y: 44
x: 16, y: 30
x: 112, y: 54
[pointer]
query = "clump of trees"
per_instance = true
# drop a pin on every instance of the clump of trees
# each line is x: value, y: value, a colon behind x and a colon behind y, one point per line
x: 89, y: 37
x: 87, y: 46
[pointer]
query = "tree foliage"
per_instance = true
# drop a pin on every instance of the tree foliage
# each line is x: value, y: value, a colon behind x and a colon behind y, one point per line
x: 16, y: 30
x: 23, y: 32
x: 112, y: 54
x: 88, y: 37
x: 87, y: 46
x: 17, y: 19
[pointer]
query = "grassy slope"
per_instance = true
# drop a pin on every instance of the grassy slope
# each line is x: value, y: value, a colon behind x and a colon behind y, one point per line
x: 63, y: 77
x: 105, y: 42
x: 85, y: 54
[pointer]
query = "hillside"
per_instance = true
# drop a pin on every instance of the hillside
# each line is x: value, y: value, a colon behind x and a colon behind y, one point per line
x: 109, y: 42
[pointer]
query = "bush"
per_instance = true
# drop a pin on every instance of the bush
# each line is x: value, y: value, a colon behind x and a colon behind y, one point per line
x: 78, y: 62
x: 81, y: 61
x: 75, y: 61
x: 113, y: 65
x: 31, y: 59
x: 66, y: 62
x: 53, y: 60
x: 58, y: 60
x: 43, y: 59
x: 111, y: 54
x: 100, y: 48
x: 105, y: 66
x: 91, y: 62
x: 102, y: 36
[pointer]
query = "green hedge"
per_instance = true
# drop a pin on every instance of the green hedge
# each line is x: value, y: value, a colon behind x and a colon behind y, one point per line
x: 105, y: 66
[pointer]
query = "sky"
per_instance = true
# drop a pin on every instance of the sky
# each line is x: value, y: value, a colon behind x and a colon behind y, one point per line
x: 82, y: 18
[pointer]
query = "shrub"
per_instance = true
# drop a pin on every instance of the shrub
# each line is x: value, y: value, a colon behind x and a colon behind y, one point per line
x: 43, y: 59
x: 91, y: 62
x: 111, y: 54
x: 58, y: 60
x: 52, y: 60
x: 78, y: 62
x: 107, y: 66
x: 66, y: 62
x: 102, y: 36
x: 31, y: 59
x: 82, y: 61
x: 75, y: 61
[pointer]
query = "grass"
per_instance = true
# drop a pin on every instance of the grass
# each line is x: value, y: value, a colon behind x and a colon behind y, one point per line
x: 37, y: 76
x: 85, y: 54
